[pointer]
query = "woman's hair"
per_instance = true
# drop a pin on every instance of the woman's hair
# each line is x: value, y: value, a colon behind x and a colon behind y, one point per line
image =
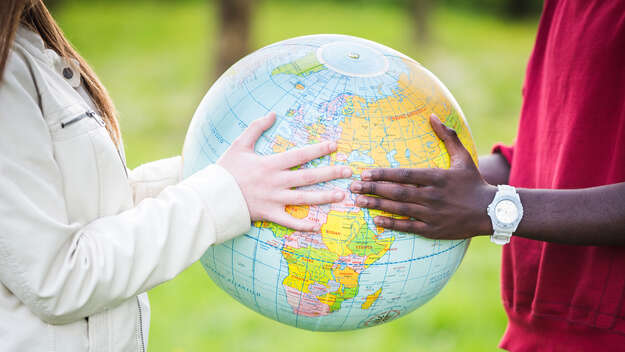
x: 34, y: 15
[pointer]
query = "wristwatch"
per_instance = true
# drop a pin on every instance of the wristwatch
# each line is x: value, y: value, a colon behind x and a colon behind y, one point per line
x: 505, y: 213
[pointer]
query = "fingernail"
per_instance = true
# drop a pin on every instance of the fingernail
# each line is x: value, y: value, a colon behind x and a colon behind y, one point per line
x: 316, y: 228
x: 378, y: 221
x: 332, y: 146
x: 356, y: 186
x: 365, y: 175
x: 347, y: 172
x: 338, y: 195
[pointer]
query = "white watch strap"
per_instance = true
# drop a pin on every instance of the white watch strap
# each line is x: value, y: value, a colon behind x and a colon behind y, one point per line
x: 500, y: 238
x: 507, y: 190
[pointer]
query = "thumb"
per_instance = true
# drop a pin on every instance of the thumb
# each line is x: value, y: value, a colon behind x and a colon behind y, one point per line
x: 251, y: 134
x: 458, y: 154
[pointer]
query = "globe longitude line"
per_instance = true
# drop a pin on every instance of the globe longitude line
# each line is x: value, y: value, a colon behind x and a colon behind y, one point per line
x: 410, y: 92
x: 334, y: 91
x: 202, y: 151
x: 446, y: 266
x: 205, y: 152
x: 301, y: 100
x: 271, y: 78
x: 278, y: 282
x: 210, y: 123
x: 408, y: 97
x: 254, y: 270
x: 419, y: 137
x: 353, y: 234
x: 279, y: 272
x: 335, y: 95
x: 202, y: 147
x: 232, y: 270
x: 251, y: 95
x: 309, y: 247
x: 215, y: 268
x: 413, y: 239
x: 438, y: 242
x: 383, y: 281
x: 377, y: 98
x: 365, y: 212
x: 317, y: 209
x: 347, y: 81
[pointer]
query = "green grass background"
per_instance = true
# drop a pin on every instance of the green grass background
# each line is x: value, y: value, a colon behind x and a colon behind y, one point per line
x: 156, y: 60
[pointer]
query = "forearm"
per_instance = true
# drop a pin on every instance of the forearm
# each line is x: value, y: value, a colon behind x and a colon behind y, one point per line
x: 589, y: 216
x: 452, y: 204
x: 148, y: 180
x: 494, y: 168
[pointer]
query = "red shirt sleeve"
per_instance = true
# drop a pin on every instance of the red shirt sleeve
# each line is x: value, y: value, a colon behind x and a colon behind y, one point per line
x: 506, y: 151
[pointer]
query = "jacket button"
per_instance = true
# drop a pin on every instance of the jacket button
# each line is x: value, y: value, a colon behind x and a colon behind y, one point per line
x: 68, y: 73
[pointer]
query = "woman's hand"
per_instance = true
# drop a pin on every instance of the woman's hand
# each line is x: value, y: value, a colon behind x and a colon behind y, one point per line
x: 441, y: 203
x: 267, y: 182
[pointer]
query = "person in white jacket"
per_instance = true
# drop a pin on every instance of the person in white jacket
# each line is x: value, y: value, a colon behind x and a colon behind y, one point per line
x: 81, y: 237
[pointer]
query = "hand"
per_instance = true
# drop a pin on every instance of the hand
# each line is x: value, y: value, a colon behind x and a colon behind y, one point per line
x: 441, y: 204
x: 267, y: 182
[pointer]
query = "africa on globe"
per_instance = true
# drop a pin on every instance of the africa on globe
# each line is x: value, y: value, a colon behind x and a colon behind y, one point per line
x: 375, y: 103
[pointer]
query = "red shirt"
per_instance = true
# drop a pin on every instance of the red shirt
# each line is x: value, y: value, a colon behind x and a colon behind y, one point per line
x: 571, y: 135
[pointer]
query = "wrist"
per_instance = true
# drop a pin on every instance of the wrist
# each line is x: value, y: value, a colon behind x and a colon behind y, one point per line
x: 484, y: 224
x: 505, y: 212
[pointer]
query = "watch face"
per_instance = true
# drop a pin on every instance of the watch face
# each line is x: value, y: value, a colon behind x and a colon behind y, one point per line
x: 506, y: 211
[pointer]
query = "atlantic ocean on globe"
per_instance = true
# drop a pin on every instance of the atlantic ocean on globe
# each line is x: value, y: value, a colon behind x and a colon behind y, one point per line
x: 375, y: 103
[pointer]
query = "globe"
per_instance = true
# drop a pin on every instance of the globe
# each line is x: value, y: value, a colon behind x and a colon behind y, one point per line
x: 375, y: 103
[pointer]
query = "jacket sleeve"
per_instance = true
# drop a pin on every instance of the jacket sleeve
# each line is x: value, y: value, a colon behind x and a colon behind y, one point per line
x: 506, y: 151
x: 148, y: 180
x: 64, y: 271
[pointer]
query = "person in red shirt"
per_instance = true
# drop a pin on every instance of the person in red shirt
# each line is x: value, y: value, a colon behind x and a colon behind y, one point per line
x: 563, y: 272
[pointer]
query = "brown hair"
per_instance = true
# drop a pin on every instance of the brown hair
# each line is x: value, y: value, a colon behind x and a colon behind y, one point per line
x: 34, y: 15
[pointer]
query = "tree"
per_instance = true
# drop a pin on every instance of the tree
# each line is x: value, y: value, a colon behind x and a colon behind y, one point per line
x: 234, y: 32
x: 519, y: 8
x: 421, y: 13
x: 52, y: 4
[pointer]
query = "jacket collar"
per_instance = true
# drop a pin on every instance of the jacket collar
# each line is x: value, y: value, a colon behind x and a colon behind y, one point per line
x: 32, y: 42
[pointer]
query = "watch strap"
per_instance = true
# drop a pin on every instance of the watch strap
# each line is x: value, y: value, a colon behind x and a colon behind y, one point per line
x: 501, y: 236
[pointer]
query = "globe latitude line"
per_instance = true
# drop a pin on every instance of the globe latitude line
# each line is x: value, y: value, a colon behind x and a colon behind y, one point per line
x: 448, y: 249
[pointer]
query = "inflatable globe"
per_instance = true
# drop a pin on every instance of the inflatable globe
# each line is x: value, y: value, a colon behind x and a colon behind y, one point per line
x: 375, y: 103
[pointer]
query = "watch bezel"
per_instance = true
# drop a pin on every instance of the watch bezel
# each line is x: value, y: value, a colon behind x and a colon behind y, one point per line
x: 499, y: 225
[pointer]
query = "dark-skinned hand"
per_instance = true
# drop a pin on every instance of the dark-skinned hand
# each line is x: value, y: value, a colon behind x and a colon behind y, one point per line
x: 440, y: 203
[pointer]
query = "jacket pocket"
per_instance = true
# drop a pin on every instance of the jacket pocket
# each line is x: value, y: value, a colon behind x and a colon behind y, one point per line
x: 75, y: 121
x: 75, y: 154
x: 93, y: 169
x: 115, y: 194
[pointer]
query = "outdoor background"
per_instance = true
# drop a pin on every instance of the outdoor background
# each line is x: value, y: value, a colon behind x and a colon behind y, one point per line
x: 158, y: 58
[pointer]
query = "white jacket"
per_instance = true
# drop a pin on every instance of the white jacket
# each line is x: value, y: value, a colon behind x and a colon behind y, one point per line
x: 80, y: 240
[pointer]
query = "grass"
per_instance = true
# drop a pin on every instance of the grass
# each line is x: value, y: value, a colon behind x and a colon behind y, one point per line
x: 155, y: 58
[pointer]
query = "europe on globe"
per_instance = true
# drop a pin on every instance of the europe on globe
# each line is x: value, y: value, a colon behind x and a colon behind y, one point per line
x: 375, y: 103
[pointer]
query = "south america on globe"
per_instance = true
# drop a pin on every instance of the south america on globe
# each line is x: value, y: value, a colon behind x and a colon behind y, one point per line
x: 375, y: 103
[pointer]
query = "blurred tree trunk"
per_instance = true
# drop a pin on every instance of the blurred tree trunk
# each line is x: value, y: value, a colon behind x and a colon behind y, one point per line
x: 234, y: 32
x: 421, y: 12
x: 518, y: 8
x: 52, y: 4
